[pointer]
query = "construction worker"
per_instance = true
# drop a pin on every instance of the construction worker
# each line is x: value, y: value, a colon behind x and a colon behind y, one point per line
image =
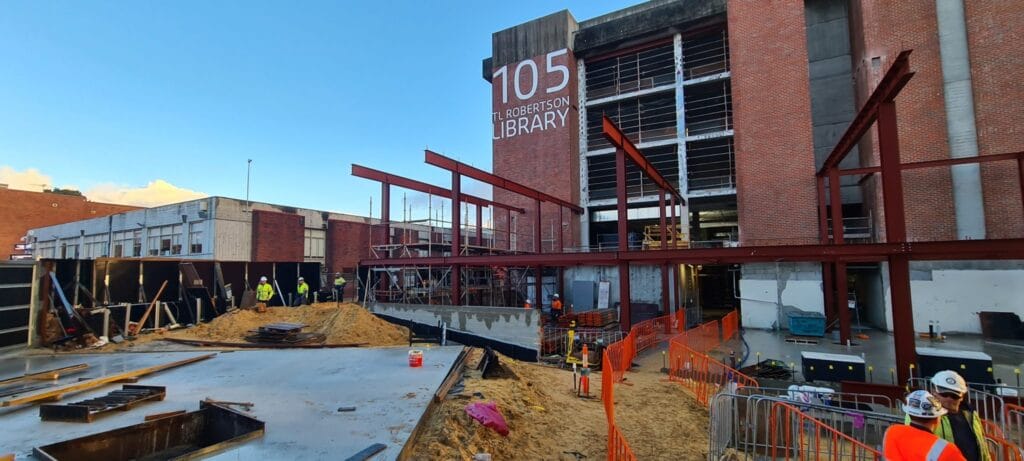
x: 556, y: 308
x: 527, y: 304
x: 263, y: 294
x: 915, y: 441
x: 339, y: 286
x: 961, y: 425
x: 302, y: 291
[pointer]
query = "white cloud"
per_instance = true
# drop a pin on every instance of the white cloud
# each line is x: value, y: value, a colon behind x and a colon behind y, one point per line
x: 30, y: 179
x: 156, y: 193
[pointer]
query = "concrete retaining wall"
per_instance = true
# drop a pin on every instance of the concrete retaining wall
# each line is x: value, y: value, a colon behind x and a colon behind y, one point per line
x: 508, y: 324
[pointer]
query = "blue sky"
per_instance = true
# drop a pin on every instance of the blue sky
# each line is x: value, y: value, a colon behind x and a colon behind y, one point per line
x: 108, y: 97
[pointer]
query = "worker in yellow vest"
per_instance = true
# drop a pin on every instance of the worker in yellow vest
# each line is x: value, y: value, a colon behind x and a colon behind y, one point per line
x: 915, y: 441
x: 263, y: 294
x: 302, y: 291
x: 339, y: 287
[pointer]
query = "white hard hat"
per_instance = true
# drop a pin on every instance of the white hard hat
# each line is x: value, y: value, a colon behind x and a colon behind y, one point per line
x: 300, y: 278
x: 527, y: 300
x: 556, y: 295
x: 922, y: 404
x: 950, y: 380
x: 263, y: 279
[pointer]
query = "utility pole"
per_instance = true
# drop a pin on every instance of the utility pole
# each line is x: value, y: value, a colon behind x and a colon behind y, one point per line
x: 248, y: 173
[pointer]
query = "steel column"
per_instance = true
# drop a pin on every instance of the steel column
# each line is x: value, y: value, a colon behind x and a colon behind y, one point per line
x: 822, y: 212
x: 896, y: 231
x: 479, y: 226
x: 842, y: 310
x: 620, y: 193
x: 625, y: 311
x: 385, y: 210
x: 456, y: 285
x: 664, y: 289
x: 538, y: 248
x: 675, y: 230
x: 561, y: 247
x: 508, y: 237
x: 661, y: 216
x: 538, y: 287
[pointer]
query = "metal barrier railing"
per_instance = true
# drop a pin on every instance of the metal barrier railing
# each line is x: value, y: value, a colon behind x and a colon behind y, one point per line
x: 556, y: 340
x: 1013, y: 429
x: 842, y: 401
x: 771, y: 427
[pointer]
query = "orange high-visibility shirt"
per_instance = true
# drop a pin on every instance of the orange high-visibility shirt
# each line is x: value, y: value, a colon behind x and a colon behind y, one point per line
x: 908, y: 443
x: 556, y: 305
x: 526, y: 305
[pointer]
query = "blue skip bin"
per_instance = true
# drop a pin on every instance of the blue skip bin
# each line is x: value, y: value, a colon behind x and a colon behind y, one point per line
x: 807, y: 324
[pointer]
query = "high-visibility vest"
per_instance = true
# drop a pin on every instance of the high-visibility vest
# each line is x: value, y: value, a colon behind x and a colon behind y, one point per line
x: 339, y: 281
x: 945, y: 431
x: 303, y: 288
x: 910, y: 443
x: 556, y: 305
x: 264, y: 292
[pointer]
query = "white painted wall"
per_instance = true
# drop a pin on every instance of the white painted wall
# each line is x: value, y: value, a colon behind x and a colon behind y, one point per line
x: 759, y: 300
x: 954, y: 297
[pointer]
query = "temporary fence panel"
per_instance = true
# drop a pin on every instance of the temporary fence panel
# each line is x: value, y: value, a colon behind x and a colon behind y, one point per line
x: 730, y: 326
x: 1013, y: 415
x: 701, y: 374
x: 555, y: 341
x: 841, y: 401
x: 772, y: 429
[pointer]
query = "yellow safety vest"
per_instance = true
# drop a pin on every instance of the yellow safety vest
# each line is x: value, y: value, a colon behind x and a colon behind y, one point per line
x: 339, y: 281
x: 303, y: 288
x: 264, y: 292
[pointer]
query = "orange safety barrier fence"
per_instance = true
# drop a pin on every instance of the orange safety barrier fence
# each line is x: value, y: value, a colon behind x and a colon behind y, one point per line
x: 701, y: 374
x: 793, y: 434
x: 1013, y: 424
x: 730, y: 325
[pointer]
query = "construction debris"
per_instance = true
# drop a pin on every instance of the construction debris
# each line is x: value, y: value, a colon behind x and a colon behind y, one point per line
x: 86, y: 410
x: 284, y: 333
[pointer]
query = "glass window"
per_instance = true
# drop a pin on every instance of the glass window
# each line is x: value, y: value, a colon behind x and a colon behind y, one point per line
x: 195, y: 238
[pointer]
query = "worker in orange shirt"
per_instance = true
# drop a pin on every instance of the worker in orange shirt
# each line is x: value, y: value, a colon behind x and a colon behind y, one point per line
x: 915, y: 441
x: 556, y: 308
x: 527, y: 304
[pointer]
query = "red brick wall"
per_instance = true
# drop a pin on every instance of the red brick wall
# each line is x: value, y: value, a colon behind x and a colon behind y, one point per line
x: 347, y: 243
x: 994, y: 35
x: 24, y: 210
x: 881, y: 28
x: 544, y: 155
x: 772, y: 114
x: 277, y: 237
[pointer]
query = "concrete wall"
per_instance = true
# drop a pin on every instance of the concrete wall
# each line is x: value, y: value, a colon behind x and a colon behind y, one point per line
x: 644, y: 282
x: 508, y: 324
x: 952, y: 293
x: 767, y: 288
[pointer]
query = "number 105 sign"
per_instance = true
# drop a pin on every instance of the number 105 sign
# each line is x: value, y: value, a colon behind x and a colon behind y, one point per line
x: 541, y: 89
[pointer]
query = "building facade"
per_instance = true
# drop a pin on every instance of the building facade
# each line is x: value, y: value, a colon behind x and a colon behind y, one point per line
x: 213, y: 228
x: 738, y: 104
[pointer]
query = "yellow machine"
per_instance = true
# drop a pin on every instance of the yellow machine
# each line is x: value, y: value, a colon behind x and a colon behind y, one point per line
x: 652, y: 237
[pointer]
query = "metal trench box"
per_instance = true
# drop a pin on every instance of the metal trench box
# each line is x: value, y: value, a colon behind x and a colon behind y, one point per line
x: 188, y: 436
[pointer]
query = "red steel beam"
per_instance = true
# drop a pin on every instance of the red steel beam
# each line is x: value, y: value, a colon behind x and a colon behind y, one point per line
x: 620, y: 141
x: 412, y: 184
x: 894, y: 80
x: 937, y: 163
x: 440, y: 161
x: 953, y: 250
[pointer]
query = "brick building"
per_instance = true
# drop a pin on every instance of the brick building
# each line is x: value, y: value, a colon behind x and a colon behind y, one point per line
x: 738, y: 103
x: 24, y: 210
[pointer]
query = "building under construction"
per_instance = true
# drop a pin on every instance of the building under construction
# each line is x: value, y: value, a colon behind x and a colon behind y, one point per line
x: 794, y: 203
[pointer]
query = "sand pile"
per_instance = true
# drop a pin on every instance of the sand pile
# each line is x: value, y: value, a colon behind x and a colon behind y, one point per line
x: 349, y: 323
x: 546, y: 420
x: 544, y: 417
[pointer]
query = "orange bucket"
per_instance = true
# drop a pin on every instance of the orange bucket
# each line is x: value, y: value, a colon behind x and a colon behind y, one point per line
x: 415, y: 358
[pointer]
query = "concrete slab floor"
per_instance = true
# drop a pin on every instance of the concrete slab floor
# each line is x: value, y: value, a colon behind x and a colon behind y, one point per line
x: 879, y: 351
x: 296, y: 392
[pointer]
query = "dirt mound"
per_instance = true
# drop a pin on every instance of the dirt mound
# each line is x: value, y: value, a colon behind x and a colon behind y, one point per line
x: 349, y: 323
x: 544, y: 417
x: 547, y: 421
